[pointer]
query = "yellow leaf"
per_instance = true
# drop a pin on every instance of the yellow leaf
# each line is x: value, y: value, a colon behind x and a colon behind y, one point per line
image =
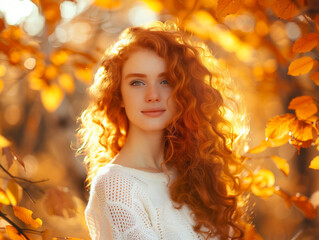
x: 59, y: 57
x: 281, y: 164
x: 13, y: 192
x: 3, y: 70
x: 155, y: 5
x: 202, y: 23
x: 300, y: 66
x: 301, y: 131
x: 278, y: 126
x: 25, y: 215
x: 51, y: 72
x: 51, y: 97
x: 1, y: 85
x: 306, y: 43
x: 108, y: 4
x: 304, y: 106
x: 4, y: 198
x: 260, y: 148
x: 84, y: 74
x: 13, y: 233
x: 66, y: 82
x: 315, y: 163
x: 315, y: 78
x: 4, y: 142
x: 225, y: 7
x: 263, y: 183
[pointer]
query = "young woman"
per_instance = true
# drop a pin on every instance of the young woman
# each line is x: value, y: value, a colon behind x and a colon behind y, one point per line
x: 158, y: 144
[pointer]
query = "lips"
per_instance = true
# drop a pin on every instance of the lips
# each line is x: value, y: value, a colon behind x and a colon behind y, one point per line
x: 153, y: 112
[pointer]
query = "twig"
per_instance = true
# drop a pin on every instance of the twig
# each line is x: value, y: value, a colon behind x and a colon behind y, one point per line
x: 13, y: 224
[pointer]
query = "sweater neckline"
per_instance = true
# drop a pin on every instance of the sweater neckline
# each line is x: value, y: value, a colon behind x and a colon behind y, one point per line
x: 139, y: 172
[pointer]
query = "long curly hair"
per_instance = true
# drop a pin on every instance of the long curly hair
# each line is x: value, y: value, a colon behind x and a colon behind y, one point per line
x: 200, y: 139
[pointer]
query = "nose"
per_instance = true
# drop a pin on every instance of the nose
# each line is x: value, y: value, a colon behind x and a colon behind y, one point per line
x: 152, y: 94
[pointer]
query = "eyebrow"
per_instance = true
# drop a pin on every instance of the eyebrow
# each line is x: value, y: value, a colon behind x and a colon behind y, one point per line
x: 163, y: 74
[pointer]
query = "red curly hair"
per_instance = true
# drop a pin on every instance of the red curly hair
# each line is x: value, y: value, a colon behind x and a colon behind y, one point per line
x: 199, y: 140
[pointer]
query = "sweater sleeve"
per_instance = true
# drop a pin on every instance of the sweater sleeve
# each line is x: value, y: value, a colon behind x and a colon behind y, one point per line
x: 115, y: 210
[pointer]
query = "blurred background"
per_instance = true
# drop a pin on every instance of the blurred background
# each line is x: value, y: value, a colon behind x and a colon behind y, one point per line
x: 49, y: 50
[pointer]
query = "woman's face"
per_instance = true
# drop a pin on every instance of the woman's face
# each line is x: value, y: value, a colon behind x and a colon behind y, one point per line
x: 145, y: 91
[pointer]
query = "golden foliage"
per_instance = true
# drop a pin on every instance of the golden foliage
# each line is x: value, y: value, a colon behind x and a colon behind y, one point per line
x: 306, y: 43
x: 314, y: 163
x: 263, y: 183
x: 286, y: 9
x: 109, y: 4
x: 278, y: 126
x: 304, y: 107
x: 4, y: 142
x: 225, y: 7
x: 281, y: 164
x: 300, y: 66
x: 25, y: 215
x: 13, y: 192
x: 315, y: 78
x: 3, y: 197
x: 303, y: 204
x: 51, y: 97
x: 13, y: 233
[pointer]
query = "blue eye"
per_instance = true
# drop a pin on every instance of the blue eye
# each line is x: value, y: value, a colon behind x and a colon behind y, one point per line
x: 136, y: 83
x: 164, y: 82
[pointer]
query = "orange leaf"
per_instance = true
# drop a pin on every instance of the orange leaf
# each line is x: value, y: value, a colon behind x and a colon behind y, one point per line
x: 263, y: 183
x: 108, y: 4
x: 84, y: 74
x: 315, y: 163
x: 281, y: 164
x: 59, y: 57
x: 13, y: 192
x: 66, y: 82
x: 4, y: 198
x: 25, y: 215
x: 225, y: 7
x: 13, y: 233
x: 260, y: 148
x: 301, y: 131
x: 306, y: 43
x: 286, y: 196
x: 59, y: 202
x: 303, y: 203
x: 300, y: 66
x: 51, y: 72
x: 51, y: 97
x: 315, y: 78
x: 304, y: 106
x: 278, y: 126
x: 155, y: 5
x: 286, y: 9
x: 276, y: 142
x: 4, y: 142
x: 1, y: 85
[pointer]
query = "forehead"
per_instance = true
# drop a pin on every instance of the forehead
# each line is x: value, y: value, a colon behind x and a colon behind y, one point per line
x: 143, y: 61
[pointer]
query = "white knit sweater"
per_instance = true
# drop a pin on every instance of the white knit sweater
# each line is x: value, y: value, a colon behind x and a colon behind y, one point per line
x: 127, y: 203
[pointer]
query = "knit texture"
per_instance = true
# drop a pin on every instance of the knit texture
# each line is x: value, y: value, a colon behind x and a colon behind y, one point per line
x: 131, y: 204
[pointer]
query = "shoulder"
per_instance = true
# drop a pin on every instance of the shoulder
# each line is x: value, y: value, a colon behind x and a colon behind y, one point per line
x: 114, y: 184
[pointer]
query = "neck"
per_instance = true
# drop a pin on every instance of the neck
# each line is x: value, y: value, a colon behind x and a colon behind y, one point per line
x: 142, y: 149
